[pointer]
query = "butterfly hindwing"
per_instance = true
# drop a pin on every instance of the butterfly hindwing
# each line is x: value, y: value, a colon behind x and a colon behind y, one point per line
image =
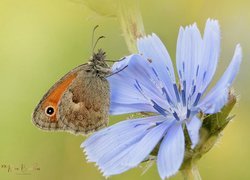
x: 84, y: 106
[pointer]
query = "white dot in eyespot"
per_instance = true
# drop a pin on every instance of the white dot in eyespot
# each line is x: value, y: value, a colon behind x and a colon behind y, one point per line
x: 49, y: 110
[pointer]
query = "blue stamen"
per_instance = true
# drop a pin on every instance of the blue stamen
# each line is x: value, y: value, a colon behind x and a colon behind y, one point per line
x: 180, y: 74
x: 176, y: 116
x: 176, y: 92
x: 158, y: 123
x: 197, y: 99
x: 188, y: 113
x: 197, y: 70
x: 168, y: 98
x: 183, y: 96
x: 183, y: 93
x: 194, y: 88
x: 204, y: 75
x: 184, y: 85
x: 159, y: 108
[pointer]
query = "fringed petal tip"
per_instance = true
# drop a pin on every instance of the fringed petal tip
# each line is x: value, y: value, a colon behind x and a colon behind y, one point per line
x: 189, y: 27
x: 86, y: 155
x: 90, y: 157
x: 82, y: 146
x: 149, y: 37
x: 212, y: 31
x: 105, y: 175
x: 212, y: 22
x: 213, y: 26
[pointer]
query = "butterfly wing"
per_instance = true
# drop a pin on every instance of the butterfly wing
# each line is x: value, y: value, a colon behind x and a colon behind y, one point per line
x: 84, y: 107
x: 73, y: 105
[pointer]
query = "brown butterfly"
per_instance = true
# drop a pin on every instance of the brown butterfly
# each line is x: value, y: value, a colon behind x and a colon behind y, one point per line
x: 79, y: 101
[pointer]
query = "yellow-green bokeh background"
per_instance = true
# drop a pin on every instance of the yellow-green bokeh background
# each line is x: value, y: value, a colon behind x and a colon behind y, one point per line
x: 40, y: 40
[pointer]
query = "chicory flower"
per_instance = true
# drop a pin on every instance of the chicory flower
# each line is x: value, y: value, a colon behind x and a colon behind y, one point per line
x: 149, y: 84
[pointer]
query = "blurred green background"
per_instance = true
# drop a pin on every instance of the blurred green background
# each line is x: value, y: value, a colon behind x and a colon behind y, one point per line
x: 41, y: 40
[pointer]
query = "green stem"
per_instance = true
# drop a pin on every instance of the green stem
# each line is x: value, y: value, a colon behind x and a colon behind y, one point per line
x: 191, y: 173
x: 131, y: 22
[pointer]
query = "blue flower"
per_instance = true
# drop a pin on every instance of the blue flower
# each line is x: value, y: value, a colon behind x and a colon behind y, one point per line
x: 149, y: 84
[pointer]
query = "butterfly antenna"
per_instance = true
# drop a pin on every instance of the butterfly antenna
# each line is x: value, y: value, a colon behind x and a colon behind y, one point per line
x: 117, y: 71
x: 101, y: 37
x: 109, y: 60
x: 93, y: 36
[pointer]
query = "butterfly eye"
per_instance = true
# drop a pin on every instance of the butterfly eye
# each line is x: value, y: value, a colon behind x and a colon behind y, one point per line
x: 50, y: 111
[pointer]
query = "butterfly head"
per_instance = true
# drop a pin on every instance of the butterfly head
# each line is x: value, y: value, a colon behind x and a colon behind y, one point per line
x: 99, y: 65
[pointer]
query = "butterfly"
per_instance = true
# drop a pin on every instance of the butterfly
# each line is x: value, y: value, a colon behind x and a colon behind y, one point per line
x: 79, y: 101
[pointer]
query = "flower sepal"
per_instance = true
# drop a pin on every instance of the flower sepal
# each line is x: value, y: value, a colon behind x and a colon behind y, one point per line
x: 212, y: 127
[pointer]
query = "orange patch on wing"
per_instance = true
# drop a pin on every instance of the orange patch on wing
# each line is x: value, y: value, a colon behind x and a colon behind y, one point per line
x: 56, y: 94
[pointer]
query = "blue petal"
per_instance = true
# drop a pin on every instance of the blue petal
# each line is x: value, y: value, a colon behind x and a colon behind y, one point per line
x: 119, y: 65
x: 218, y: 96
x: 210, y: 53
x: 108, y: 146
x: 134, y: 85
x: 143, y: 148
x: 193, y: 127
x: 171, y: 152
x: 153, y: 49
x: 207, y: 61
x: 122, y: 86
x: 124, y: 159
x: 211, y: 49
x: 188, y: 54
x: 118, y: 108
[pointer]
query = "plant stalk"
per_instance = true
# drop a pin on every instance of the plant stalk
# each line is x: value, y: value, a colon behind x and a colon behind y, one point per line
x: 131, y: 22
